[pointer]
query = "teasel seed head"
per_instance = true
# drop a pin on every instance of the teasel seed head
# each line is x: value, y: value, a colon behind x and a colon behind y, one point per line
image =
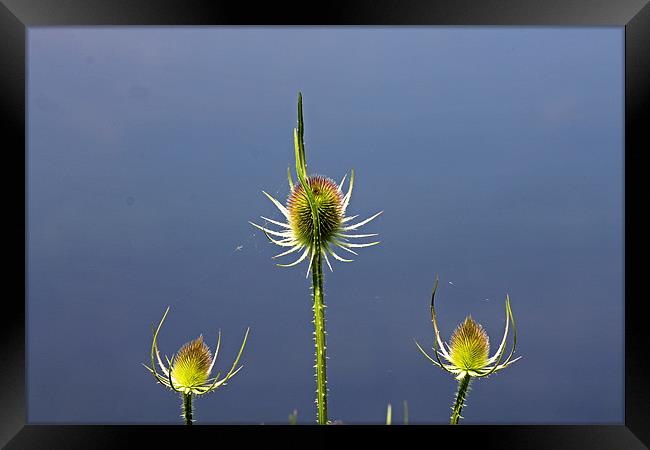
x: 192, y: 363
x: 329, y: 202
x: 469, y: 346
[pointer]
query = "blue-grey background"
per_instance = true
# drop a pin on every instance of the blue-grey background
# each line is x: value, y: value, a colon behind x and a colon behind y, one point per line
x: 495, y: 153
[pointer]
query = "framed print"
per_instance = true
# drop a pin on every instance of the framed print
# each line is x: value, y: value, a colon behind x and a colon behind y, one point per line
x: 269, y: 219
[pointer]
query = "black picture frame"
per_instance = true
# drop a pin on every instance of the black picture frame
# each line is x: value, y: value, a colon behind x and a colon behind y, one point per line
x: 16, y: 16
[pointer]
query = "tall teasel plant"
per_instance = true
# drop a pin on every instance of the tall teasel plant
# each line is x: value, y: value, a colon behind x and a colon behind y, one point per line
x: 188, y: 371
x: 315, y: 223
x: 467, y: 353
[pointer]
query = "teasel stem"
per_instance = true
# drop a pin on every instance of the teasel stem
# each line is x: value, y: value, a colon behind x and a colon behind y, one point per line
x: 463, y: 387
x: 319, y: 323
x: 187, y: 408
x: 316, y: 269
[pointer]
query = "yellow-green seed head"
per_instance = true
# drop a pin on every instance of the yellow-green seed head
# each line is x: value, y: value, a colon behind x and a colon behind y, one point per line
x: 191, y: 364
x: 329, y: 202
x: 469, y: 346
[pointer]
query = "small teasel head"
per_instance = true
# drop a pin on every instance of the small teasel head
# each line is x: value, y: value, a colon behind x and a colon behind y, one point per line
x: 469, y: 345
x: 189, y: 370
x: 191, y: 365
x: 468, y: 350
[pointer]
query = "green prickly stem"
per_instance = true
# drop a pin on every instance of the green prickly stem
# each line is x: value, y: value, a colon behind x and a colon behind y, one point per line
x: 319, y: 323
x: 316, y: 269
x: 187, y: 408
x: 463, y: 387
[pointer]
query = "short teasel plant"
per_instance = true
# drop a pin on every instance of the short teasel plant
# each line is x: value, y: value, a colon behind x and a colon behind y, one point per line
x: 188, y: 371
x: 315, y: 224
x: 467, y: 354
